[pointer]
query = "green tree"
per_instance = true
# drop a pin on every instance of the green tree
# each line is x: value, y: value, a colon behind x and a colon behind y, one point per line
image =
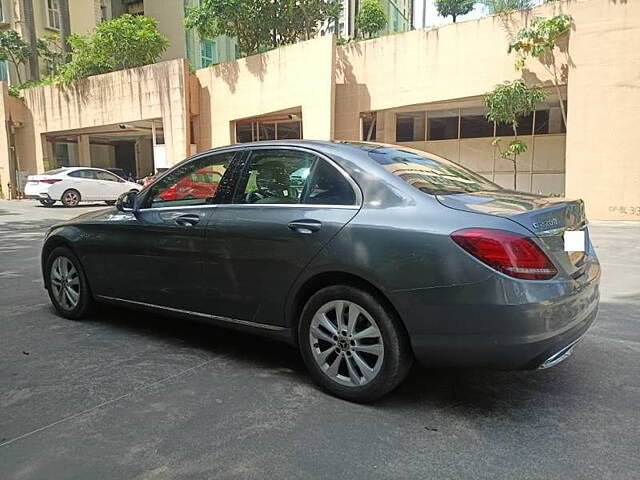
x: 260, y: 24
x: 14, y: 50
x: 454, y: 8
x: 505, y: 104
x: 371, y: 17
x: 540, y: 41
x: 498, y: 7
x: 52, y: 52
x: 125, y: 42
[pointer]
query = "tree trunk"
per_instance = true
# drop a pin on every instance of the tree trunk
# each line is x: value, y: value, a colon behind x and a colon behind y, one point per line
x: 515, y: 156
x: 65, y: 28
x: 556, y: 84
x: 454, y: 17
x: 34, y: 68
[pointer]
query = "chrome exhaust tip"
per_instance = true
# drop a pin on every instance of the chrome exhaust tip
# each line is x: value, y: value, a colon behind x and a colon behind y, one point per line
x: 559, y: 356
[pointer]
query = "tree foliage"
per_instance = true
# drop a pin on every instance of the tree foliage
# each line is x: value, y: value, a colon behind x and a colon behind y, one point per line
x: 14, y: 50
x: 454, y: 8
x: 125, y: 42
x: 261, y: 24
x: 51, y: 50
x: 371, y: 17
x: 505, y: 103
x: 540, y: 40
x: 498, y: 7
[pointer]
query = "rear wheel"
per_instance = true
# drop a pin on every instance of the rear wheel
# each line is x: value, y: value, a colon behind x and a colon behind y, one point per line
x: 67, y: 284
x: 70, y: 198
x: 352, y: 344
x: 47, y: 202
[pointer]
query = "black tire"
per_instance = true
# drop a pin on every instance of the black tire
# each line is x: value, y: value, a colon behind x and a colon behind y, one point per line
x: 71, y: 198
x: 110, y: 202
x: 46, y: 202
x: 396, y: 360
x: 85, y: 302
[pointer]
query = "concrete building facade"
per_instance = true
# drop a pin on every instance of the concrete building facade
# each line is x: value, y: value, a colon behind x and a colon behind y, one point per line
x: 421, y: 89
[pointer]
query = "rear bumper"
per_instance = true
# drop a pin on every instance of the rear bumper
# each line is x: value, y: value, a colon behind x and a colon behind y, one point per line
x: 38, y: 196
x: 454, y: 331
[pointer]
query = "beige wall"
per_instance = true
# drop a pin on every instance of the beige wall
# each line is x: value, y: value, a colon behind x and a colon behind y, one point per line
x: 603, y: 142
x: 154, y: 91
x: 170, y: 17
x: 84, y: 15
x: 298, y: 75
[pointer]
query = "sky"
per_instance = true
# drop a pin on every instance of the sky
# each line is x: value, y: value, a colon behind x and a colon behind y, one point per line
x: 434, y: 19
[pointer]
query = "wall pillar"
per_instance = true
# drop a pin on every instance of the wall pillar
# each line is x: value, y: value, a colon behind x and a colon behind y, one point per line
x: 6, y: 174
x: 84, y: 151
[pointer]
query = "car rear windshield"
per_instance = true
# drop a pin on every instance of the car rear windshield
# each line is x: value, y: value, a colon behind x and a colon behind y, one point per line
x: 55, y: 172
x: 429, y: 173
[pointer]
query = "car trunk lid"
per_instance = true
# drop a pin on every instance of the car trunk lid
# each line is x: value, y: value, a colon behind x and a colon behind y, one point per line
x: 546, y: 217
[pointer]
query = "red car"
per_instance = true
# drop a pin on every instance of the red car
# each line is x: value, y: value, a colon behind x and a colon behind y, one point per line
x: 200, y: 184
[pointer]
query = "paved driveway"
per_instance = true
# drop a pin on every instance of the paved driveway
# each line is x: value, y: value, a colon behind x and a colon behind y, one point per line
x: 129, y: 395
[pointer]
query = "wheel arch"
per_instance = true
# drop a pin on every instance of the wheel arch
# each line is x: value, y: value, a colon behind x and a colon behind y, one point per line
x: 311, y: 285
x: 50, y: 245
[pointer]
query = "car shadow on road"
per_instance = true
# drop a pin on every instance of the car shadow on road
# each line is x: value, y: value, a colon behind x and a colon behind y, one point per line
x: 474, y: 393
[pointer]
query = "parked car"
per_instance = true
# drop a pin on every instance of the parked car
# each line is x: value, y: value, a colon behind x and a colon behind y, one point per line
x: 73, y: 185
x: 385, y: 255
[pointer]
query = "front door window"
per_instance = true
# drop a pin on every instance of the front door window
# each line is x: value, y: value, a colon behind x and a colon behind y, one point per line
x: 199, y: 182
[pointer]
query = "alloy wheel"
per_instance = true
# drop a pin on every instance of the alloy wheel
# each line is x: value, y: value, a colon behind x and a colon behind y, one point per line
x: 65, y: 283
x: 71, y: 198
x: 346, y: 343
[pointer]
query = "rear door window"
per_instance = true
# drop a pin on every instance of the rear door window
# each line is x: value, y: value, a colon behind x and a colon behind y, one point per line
x: 86, y: 174
x: 282, y: 177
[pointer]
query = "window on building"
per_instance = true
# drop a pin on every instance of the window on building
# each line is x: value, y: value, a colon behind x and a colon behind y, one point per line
x: 266, y: 131
x: 53, y: 14
x: 244, y: 132
x: 474, y: 123
x: 288, y: 130
x: 1, y: 12
x: 253, y: 131
x: 410, y: 127
x: 4, y: 71
x: 525, y: 127
x: 61, y: 154
x: 549, y: 120
x: 442, y: 124
x: 369, y: 128
x: 208, y: 53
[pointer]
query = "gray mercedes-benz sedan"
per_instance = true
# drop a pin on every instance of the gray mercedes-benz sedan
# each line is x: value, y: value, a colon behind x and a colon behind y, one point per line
x: 366, y: 256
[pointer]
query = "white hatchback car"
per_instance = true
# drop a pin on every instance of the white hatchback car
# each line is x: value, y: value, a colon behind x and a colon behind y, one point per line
x: 73, y: 185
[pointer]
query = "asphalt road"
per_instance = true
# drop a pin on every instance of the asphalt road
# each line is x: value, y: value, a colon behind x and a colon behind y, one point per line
x: 128, y: 395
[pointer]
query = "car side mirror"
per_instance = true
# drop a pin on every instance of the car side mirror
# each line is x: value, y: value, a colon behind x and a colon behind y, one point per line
x: 127, y: 201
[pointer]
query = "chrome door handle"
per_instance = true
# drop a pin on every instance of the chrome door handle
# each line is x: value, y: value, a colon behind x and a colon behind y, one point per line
x: 305, y: 226
x: 188, y: 220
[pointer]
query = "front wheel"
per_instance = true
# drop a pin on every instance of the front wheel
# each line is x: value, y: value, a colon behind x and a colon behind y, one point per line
x: 67, y: 284
x: 47, y: 202
x: 353, y: 345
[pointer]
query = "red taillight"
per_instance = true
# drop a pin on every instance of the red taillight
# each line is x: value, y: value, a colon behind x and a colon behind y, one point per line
x: 51, y: 180
x: 507, y: 252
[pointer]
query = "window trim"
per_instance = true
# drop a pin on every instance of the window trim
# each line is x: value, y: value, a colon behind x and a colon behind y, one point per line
x: 244, y: 162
